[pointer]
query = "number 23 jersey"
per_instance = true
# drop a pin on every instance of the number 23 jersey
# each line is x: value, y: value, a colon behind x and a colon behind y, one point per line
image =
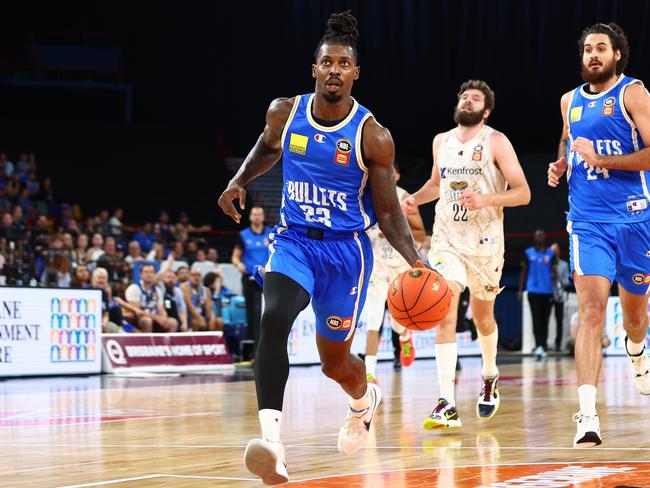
x: 463, y: 167
x: 325, y: 177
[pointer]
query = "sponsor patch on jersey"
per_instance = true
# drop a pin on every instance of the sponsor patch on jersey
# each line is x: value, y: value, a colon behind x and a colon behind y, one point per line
x: 458, y: 185
x: 641, y: 279
x: 608, y: 106
x: 338, y: 323
x: 478, y: 153
x: 592, y: 104
x: 343, y: 150
x: 298, y: 143
x: 319, y: 138
x: 575, y: 114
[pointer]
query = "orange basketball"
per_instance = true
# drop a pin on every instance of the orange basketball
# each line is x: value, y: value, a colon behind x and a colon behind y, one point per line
x: 419, y: 299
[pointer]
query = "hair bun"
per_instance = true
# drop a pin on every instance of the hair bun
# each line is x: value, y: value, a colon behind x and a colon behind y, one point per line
x: 343, y: 24
x: 616, y: 28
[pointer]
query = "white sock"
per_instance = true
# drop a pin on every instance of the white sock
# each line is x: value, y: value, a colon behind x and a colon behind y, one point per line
x: 405, y: 335
x: 371, y: 364
x: 362, y: 403
x: 446, y: 357
x: 587, y: 399
x: 488, y: 346
x: 634, y: 348
x: 399, y: 329
x: 271, y: 421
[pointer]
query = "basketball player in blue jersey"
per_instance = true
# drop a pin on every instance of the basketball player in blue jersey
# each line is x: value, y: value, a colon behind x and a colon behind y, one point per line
x: 602, y: 151
x: 338, y: 181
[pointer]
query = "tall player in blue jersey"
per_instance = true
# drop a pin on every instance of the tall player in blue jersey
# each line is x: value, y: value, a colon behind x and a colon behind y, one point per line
x: 602, y: 150
x: 338, y: 181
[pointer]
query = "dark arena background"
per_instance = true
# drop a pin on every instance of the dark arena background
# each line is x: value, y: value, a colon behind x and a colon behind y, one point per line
x: 150, y: 107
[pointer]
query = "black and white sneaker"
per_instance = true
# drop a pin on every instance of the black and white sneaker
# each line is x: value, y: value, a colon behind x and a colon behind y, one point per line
x: 444, y: 416
x: 489, y: 399
x: 588, y: 430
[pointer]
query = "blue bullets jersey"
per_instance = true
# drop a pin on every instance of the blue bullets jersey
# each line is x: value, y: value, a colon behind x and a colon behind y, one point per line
x: 598, y: 194
x: 325, y: 177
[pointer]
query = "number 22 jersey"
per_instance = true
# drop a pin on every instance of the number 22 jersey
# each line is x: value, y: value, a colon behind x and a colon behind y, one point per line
x: 598, y: 194
x: 325, y: 177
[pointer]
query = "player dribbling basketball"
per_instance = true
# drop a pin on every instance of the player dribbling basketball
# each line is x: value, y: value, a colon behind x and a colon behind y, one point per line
x: 475, y: 174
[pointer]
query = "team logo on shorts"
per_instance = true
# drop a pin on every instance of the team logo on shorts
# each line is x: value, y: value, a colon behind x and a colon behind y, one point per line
x: 458, y: 185
x: 641, y: 279
x: 337, y: 323
x: 416, y: 273
x: 343, y: 150
x: 608, y: 106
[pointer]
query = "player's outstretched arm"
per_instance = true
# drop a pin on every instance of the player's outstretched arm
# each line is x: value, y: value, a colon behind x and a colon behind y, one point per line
x: 265, y: 153
x: 557, y: 168
x: 430, y: 191
x: 380, y: 152
x: 637, y: 103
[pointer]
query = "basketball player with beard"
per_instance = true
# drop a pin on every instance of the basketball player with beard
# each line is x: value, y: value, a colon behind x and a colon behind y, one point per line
x: 602, y: 150
x: 338, y: 182
x: 475, y: 174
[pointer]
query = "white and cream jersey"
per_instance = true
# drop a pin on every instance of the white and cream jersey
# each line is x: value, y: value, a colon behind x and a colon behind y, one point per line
x: 463, y: 167
x: 384, y: 253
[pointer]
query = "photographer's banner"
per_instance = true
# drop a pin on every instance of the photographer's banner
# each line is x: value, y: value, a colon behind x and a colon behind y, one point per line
x: 49, y: 331
x: 165, y: 353
x: 302, y: 340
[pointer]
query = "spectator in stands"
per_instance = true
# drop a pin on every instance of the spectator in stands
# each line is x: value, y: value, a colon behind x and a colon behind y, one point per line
x: 135, y: 253
x: 179, y: 251
x: 199, y: 304
x: 538, y: 272
x: 19, y: 267
x: 82, y: 248
x: 213, y: 255
x: 144, y: 304
x: 26, y: 203
x: 32, y: 185
x: 97, y: 248
x: 190, y: 251
x: 47, y: 194
x: 250, y: 252
x: 157, y: 252
x: 5, y: 204
x: 6, y: 165
x: 8, y: 230
x: 182, y: 274
x: 213, y: 281
x: 68, y: 248
x: 20, y: 223
x: 111, y: 312
x: 24, y: 164
x: 202, y: 264
x: 57, y: 272
x: 173, y: 299
x: 13, y: 187
x: 559, y: 293
x: 184, y: 225
x: 102, y: 223
x: 40, y: 228
x: 166, y: 229
x: 117, y: 227
x: 145, y: 237
x: 111, y: 260
x: 80, y: 277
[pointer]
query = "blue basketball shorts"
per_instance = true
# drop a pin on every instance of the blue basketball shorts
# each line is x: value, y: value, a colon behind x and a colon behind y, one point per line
x: 618, y: 252
x: 334, y: 268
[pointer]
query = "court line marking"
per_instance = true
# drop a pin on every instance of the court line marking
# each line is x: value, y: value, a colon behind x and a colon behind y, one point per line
x: 561, y: 463
x: 97, y: 422
x: 331, y: 447
x: 152, y: 476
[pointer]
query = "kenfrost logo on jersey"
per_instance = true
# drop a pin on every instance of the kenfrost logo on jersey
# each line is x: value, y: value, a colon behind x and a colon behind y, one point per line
x: 463, y: 171
x: 319, y: 138
x: 608, y: 106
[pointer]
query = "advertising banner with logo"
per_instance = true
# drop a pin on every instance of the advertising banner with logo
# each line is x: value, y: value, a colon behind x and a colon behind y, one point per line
x: 302, y: 340
x: 49, y: 331
x: 181, y: 352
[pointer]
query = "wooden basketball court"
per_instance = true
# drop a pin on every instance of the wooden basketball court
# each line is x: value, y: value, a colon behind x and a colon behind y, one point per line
x: 191, y: 431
